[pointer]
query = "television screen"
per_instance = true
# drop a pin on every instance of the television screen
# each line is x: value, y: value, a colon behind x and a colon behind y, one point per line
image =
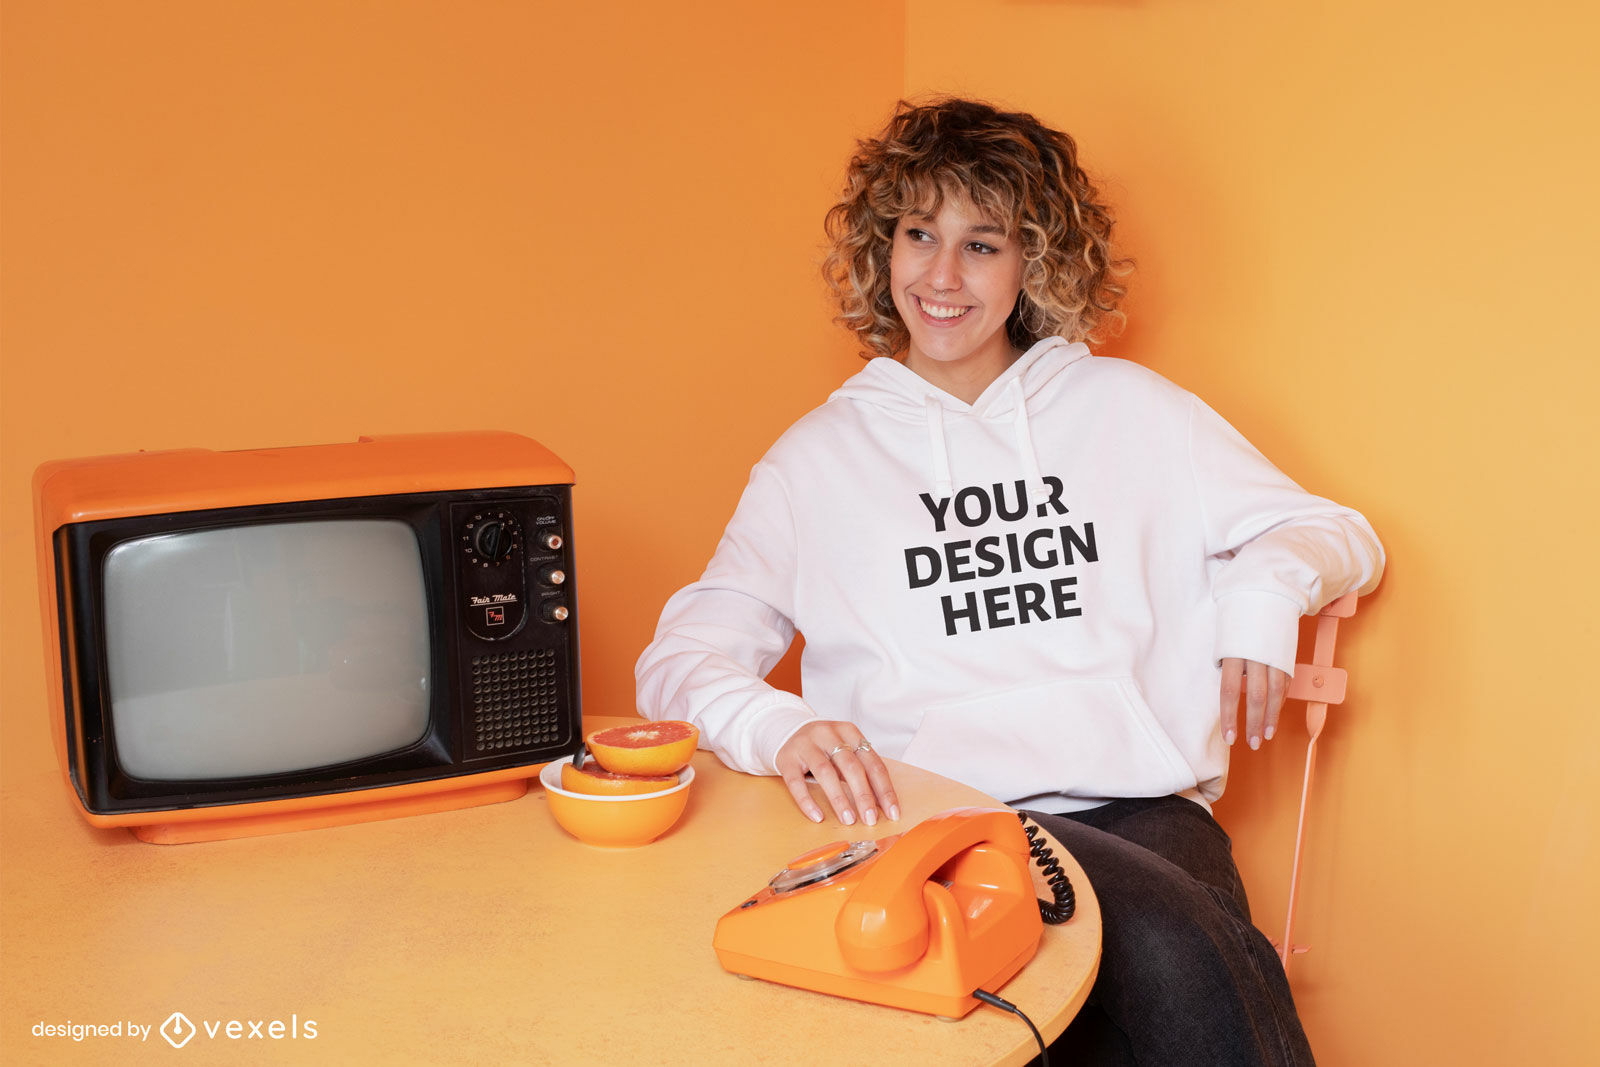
x: 266, y: 649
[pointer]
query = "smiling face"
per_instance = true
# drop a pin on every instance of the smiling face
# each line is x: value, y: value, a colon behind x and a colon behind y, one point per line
x: 955, y: 276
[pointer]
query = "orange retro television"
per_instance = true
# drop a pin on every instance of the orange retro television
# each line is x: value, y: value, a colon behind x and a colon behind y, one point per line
x: 248, y: 642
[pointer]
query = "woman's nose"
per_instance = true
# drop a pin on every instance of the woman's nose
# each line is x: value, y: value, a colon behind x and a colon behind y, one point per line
x: 944, y: 273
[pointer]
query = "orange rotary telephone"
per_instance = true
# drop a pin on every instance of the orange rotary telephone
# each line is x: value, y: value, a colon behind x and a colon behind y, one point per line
x: 918, y: 920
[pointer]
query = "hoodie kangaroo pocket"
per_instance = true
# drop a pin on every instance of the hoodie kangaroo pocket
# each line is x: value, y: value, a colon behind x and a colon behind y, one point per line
x: 1092, y: 737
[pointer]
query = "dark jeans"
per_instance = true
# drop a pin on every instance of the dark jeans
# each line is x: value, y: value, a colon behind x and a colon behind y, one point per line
x: 1184, y: 976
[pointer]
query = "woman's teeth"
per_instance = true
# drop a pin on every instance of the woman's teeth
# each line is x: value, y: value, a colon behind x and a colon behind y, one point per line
x: 942, y: 311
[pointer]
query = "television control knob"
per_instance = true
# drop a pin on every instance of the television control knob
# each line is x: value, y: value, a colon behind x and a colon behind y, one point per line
x: 555, y: 611
x: 552, y: 574
x: 491, y: 538
x: 552, y: 540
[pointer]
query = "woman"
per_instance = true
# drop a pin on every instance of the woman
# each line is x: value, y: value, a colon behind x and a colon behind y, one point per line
x: 1050, y: 575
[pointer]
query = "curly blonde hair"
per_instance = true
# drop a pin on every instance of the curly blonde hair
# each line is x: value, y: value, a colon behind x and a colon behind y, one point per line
x: 1017, y: 171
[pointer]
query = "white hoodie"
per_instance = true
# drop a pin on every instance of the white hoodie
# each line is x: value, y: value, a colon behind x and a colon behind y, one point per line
x: 1029, y: 594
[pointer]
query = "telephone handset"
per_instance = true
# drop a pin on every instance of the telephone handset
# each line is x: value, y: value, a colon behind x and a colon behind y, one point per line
x: 918, y: 920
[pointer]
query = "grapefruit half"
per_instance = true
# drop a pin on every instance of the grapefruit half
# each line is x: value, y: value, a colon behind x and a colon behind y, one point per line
x: 591, y: 779
x: 647, y: 748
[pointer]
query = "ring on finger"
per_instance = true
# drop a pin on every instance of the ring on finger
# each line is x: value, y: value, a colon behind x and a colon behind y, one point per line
x: 836, y: 749
x: 864, y: 746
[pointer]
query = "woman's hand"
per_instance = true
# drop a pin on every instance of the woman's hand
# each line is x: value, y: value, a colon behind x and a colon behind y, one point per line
x: 851, y: 774
x: 1263, y: 687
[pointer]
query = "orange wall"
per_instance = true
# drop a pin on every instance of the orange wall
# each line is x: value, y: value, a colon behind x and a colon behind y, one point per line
x: 1366, y: 233
x: 264, y: 223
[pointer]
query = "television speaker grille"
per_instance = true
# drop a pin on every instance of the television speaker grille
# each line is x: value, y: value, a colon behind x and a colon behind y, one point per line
x: 516, y: 702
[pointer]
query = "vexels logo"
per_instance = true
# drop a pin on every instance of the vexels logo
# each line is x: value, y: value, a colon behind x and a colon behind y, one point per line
x: 178, y: 1030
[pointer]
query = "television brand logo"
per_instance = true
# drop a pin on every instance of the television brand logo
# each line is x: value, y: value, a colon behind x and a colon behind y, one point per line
x: 178, y: 1030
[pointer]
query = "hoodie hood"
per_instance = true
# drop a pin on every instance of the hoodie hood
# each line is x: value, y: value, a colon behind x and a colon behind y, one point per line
x: 887, y: 384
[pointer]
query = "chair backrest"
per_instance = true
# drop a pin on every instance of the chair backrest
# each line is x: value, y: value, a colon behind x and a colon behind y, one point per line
x: 1320, y: 684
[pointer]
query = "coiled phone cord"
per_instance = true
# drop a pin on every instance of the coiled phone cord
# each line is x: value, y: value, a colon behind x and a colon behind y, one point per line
x: 1060, y: 911
x: 1066, y: 901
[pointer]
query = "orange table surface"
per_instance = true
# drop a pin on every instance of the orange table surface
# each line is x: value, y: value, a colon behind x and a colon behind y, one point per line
x: 486, y: 935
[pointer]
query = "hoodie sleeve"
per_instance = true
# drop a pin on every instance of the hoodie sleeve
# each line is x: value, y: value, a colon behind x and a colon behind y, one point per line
x: 718, y: 637
x: 1283, y: 552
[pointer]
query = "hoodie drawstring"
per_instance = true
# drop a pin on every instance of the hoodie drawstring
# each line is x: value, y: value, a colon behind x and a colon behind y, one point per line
x: 941, y: 453
x: 1025, y: 449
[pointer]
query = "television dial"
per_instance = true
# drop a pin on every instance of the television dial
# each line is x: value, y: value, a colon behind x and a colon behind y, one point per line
x: 491, y: 537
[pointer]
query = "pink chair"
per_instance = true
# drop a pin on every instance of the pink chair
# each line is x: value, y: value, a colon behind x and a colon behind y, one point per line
x: 1318, y: 683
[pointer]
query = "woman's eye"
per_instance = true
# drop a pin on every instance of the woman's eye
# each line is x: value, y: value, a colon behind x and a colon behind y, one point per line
x: 914, y: 234
x: 982, y: 249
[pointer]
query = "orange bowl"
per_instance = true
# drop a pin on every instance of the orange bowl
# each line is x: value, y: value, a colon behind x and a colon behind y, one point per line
x: 614, y: 821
